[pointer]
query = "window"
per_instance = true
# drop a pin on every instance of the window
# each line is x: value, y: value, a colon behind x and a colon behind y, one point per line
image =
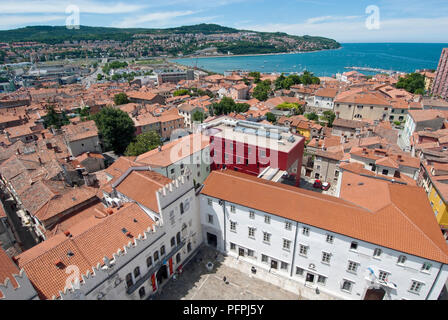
x: 283, y: 266
x: 264, y: 258
x: 172, y: 171
x: 162, y: 250
x: 178, y: 238
x: 267, y: 219
x: 288, y: 225
x: 426, y: 266
x: 210, y: 202
x: 232, y: 209
x: 383, y: 275
x: 385, y: 172
x: 262, y: 153
x: 286, y: 244
x: 156, y: 255
x: 181, y: 208
x: 210, y: 219
x: 326, y: 257
x: 377, y: 252
x: 299, y: 271
x: 129, y: 281
x: 303, y: 250
x: 251, y: 215
x: 416, y: 286
x: 178, y: 258
x: 330, y: 238
x: 306, y: 231
x: 347, y: 286
x: 232, y: 246
x: 137, y: 272
x: 250, y: 253
x: 266, y: 237
x: 401, y: 259
x: 354, y: 245
x: 149, y: 262
x: 352, y: 266
x: 233, y: 225
x: 189, y: 247
x: 142, y: 292
x: 251, y: 232
x: 322, y: 280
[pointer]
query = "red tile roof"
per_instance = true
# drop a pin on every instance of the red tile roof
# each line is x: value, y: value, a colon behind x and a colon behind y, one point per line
x: 405, y: 223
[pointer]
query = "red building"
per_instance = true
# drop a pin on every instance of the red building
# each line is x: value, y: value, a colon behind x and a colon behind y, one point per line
x: 252, y: 148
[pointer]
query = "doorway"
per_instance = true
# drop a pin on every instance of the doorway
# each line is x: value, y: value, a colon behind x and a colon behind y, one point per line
x: 212, y: 240
x: 241, y: 252
x: 162, y: 274
x: 274, y: 264
x: 375, y: 294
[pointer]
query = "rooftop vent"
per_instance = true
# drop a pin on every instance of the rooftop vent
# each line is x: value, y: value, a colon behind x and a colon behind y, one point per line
x: 124, y: 230
x: 67, y: 233
x: 70, y: 254
x: 59, y: 264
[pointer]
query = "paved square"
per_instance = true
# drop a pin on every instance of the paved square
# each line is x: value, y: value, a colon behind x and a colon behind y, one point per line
x: 197, y: 283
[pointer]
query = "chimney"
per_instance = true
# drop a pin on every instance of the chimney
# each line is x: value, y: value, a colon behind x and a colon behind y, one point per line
x: 67, y: 234
x: 364, y: 150
x: 49, y: 145
x: 160, y: 148
x: 399, y: 157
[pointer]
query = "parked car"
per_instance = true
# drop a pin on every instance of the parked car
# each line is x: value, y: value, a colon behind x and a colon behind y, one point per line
x: 317, y: 184
x: 321, y: 185
x: 326, y: 186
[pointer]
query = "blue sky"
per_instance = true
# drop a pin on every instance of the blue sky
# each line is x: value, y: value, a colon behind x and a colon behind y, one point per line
x: 343, y: 20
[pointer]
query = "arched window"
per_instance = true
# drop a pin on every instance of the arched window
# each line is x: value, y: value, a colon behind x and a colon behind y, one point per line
x: 156, y: 255
x: 162, y: 250
x: 129, y: 281
x: 149, y: 262
x: 173, y: 242
x: 178, y: 238
x: 189, y: 246
x: 142, y: 292
x: 178, y: 258
x: 136, y: 272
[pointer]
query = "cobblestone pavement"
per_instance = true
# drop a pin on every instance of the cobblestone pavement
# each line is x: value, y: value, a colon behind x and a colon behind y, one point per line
x: 197, y: 283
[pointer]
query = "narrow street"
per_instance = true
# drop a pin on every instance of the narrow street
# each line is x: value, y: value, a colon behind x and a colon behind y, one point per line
x: 26, y: 238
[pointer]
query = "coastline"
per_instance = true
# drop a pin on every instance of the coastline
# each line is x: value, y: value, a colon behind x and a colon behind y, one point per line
x: 251, y: 55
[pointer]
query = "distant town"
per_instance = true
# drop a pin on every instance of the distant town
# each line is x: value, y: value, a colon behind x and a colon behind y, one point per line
x: 123, y: 172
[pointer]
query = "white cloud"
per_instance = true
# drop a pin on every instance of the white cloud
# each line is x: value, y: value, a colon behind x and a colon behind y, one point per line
x: 13, y: 21
x: 59, y: 6
x: 354, y: 30
x: 156, y: 19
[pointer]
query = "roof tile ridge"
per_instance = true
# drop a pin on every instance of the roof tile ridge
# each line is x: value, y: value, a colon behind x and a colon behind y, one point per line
x: 304, y: 194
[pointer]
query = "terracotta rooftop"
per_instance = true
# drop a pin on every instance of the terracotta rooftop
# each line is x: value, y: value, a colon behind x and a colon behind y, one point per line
x: 405, y: 222
x: 91, y: 240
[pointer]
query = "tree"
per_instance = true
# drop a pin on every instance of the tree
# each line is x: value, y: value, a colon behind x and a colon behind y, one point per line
x: 255, y: 75
x: 99, y: 77
x: 180, y: 92
x: 116, y: 128
x: 198, y: 116
x: 262, y: 90
x: 55, y: 119
x: 271, y: 117
x: 329, y: 116
x: 143, y: 143
x: 121, y: 98
x: 413, y: 83
x: 312, y: 116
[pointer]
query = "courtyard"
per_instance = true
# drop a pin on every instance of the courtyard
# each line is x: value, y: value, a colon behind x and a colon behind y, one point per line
x: 196, y: 282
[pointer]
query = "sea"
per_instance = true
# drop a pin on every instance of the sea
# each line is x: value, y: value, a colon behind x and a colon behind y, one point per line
x: 399, y: 57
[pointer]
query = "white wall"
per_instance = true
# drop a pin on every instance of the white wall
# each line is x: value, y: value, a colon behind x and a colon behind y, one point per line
x: 341, y: 254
